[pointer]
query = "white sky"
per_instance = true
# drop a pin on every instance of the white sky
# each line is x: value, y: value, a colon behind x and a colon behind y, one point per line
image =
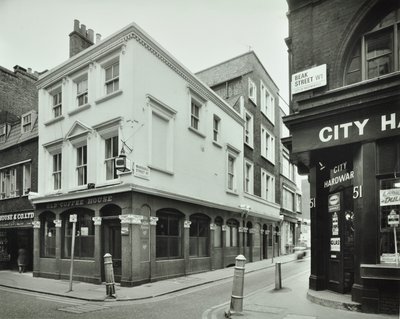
x: 199, y: 33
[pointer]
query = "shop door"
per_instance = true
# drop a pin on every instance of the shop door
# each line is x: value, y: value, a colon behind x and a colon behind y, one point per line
x: 112, y: 245
x: 341, y: 255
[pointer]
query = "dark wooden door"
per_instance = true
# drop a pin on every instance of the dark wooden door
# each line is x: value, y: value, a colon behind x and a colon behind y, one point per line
x: 112, y: 245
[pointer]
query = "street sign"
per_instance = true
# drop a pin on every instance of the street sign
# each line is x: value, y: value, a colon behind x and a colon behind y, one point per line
x: 73, y: 218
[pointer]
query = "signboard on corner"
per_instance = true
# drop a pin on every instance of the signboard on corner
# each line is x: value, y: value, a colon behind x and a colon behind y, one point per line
x: 335, y: 244
x: 141, y: 171
x: 309, y: 79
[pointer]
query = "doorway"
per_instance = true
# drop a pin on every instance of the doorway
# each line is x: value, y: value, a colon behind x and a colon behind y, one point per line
x: 112, y: 244
x: 17, y: 239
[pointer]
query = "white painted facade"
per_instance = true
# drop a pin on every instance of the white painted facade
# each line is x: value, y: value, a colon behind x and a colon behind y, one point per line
x: 151, y: 113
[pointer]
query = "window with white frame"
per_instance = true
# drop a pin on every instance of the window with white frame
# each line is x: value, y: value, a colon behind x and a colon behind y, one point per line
x: 267, y: 145
x: 82, y: 91
x: 252, y: 91
x: 248, y: 129
x: 288, y: 199
x: 195, y: 114
x: 57, y: 168
x: 287, y: 167
x: 27, y: 171
x: 112, y: 77
x: 216, y: 128
x: 248, y: 177
x: 57, y: 103
x: 26, y: 123
x: 231, y: 175
x: 267, y: 103
x: 81, y: 165
x: 267, y: 186
x: 8, y: 183
x: 111, y: 152
x: 298, y: 202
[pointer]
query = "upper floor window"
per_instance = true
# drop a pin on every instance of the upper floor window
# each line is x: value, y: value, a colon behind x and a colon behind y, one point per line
x: 27, y: 171
x: 82, y: 91
x: 288, y: 200
x: 248, y: 129
x: 287, y: 167
x: 248, y: 177
x: 57, y: 159
x: 57, y: 104
x: 8, y: 183
x: 112, y: 78
x: 195, y: 115
x: 267, y: 145
x: 27, y: 123
x: 111, y: 152
x: 231, y: 172
x: 267, y: 103
x: 216, y: 128
x: 378, y: 52
x: 267, y: 186
x: 3, y: 133
x: 252, y: 91
x: 81, y: 164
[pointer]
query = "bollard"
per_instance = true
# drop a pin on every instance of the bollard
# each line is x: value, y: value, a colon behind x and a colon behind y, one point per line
x: 236, y: 306
x: 109, y: 275
x: 278, y: 276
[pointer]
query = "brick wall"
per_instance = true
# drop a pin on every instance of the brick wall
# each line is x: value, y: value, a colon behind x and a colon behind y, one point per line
x: 18, y: 93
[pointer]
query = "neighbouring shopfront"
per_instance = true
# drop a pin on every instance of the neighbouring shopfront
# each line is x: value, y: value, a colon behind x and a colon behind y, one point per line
x: 16, y: 233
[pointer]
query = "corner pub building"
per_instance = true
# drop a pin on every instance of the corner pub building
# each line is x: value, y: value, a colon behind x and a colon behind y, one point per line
x: 345, y: 125
x: 179, y: 207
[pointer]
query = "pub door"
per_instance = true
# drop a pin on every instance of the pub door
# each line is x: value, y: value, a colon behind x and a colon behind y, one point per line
x: 341, y: 254
x: 112, y: 244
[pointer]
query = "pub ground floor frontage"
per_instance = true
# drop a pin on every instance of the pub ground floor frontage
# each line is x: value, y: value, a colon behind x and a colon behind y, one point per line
x: 352, y: 159
x: 149, y: 237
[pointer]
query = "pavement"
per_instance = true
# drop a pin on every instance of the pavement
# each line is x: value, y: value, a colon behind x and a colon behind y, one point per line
x: 293, y: 301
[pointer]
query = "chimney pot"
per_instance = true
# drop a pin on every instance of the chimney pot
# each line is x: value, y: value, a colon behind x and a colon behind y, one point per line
x: 30, y: 70
x: 83, y: 30
x: 98, y: 37
x: 91, y: 35
x: 76, y: 25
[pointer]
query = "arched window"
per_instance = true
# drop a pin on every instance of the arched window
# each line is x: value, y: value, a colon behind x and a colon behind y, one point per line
x: 199, y: 235
x: 231, y: 233
x: 377, y: 52
x: 169, y: 234
x: 48, y: 235
x: 218, y: 232
x: 84, y: 234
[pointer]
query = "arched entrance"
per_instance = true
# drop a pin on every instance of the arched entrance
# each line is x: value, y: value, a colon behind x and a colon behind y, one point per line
x: 111, y: 238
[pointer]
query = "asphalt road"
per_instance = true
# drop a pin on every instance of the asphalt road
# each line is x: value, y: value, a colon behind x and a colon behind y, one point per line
x: 191, y: 303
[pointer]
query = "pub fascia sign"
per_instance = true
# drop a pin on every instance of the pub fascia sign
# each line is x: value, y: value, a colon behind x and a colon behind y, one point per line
x: 80, y: 202
x: 309, y: 79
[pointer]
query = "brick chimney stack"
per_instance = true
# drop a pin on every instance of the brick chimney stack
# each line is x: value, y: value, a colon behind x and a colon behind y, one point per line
x: 80, y: 39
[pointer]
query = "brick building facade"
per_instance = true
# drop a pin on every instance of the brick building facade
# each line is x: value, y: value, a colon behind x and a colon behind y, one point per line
x: 344, y: 64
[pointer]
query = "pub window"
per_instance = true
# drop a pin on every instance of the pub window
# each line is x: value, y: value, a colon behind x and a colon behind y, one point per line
x: 84, y: 236
x: 169, y: 235
x: 218, y: 232
x: 231, y: 233
x: 48, y: 235
x: 389, y: 195
x: 199, y: 236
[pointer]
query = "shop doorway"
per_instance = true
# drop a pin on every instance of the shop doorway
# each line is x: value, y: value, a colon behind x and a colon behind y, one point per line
x: 341, y: 255
x: 18, y: 239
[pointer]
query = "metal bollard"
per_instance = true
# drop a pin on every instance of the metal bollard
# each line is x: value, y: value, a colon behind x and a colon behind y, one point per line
x: 278, y: 276
x: 109, y: 275
x: 236, y: 306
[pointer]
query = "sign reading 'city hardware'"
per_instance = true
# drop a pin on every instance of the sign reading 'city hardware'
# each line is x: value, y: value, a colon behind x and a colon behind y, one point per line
x: 309, y: 79
x: 345, y: 129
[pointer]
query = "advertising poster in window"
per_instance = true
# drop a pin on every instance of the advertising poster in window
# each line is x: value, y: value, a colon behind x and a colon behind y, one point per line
x: 389, y: 197
x: 335, y: 224
x: 334, y: 202
x: 335, y: 244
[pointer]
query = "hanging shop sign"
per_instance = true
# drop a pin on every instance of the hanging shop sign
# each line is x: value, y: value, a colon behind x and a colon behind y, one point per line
x: 389, y: 197
x: 309, y: 79
x: 344, y: 129
x: 341, y: 173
